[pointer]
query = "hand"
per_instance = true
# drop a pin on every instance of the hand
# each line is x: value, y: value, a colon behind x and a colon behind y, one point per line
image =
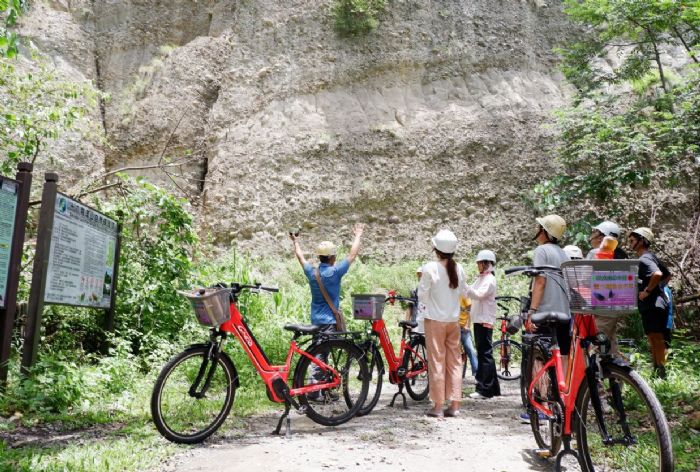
x: 643, y: 294
x: 293, y: 236
x: 529, y: 325
x: 358, y: 229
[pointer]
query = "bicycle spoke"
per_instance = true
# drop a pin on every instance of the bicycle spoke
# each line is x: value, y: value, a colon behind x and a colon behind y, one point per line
x: 639, y: 438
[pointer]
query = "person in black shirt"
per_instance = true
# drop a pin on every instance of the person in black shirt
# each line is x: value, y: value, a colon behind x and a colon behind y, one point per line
x: 652, y: 303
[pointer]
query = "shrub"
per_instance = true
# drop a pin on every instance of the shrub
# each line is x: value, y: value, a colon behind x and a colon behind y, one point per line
x: 356, y: 17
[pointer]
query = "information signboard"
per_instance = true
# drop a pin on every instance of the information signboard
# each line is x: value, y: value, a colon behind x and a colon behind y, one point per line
x: 8, y: 208
x: 81, y: 257
x: 613, y: 289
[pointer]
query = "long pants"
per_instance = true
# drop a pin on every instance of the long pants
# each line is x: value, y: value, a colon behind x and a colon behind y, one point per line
x: 486, y: 379
x: 318, y: 375
x: 444, y: 360
x: 468, y: 347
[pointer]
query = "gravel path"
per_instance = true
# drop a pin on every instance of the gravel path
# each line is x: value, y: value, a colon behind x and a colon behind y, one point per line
x: 487, y: 437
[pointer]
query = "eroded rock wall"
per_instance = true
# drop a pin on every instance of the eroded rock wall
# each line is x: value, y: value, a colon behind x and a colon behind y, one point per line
x: 433, y: 120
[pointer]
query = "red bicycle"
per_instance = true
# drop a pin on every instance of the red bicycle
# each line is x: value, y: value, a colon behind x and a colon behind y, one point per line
x: 408, y: 368
x: 614, y: 416
x: 195, y: 390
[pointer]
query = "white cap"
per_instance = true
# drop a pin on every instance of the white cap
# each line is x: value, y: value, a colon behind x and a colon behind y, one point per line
x: 486, y: 255
x: 445, y: 241
x: 574, y: 252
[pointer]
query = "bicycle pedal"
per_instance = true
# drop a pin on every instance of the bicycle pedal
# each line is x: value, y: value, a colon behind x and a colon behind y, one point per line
x: 301, y: 410
x: 543, y: 453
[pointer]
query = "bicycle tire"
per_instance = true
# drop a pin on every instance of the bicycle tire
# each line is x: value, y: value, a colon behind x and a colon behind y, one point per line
x: 508, y: 363
x: 643, y: 413
x: 340, y: 404
x: 547, y: 432
x: 182, y: 417
x: 417, y: 387
x: 376, y: 377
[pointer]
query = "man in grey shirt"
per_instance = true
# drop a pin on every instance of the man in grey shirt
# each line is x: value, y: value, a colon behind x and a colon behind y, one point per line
x: 548, y: 290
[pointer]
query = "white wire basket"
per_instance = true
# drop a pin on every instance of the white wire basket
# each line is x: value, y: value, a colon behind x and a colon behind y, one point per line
x: 210, y: 307
x: 602, y: 287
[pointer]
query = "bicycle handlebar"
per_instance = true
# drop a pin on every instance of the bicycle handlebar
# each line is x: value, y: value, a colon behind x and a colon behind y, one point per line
x: 393, y: 298
x: 531, y: 271
x: 238, y: 287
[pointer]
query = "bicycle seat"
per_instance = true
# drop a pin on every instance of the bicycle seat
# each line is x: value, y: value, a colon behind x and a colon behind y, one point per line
x: 303, y: 329
x: 550, y: 317
x: 407, y: 323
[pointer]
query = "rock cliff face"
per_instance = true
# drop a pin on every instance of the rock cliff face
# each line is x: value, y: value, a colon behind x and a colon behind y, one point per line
x: 433, y: 120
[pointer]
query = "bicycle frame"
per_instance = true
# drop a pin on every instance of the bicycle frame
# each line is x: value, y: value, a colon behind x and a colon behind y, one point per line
x: 567, y: 385
x: 393, y: 361
x: 268, y: 372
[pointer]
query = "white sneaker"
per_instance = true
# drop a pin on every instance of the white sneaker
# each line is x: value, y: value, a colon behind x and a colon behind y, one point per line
x: 477, y: 396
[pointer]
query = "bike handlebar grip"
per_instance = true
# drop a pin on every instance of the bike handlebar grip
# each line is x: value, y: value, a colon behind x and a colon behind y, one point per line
x: 270, y: 289
x: 510, y: 270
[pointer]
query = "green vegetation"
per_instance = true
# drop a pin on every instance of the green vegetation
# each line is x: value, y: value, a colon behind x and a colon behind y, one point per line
x: 90, y: 411
x: 10, y: 10
x: 634, y: 125
x: 356, y: 17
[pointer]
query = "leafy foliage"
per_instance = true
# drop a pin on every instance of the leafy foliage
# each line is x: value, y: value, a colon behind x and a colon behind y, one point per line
x: 634, y: 125
x: 9, y: 12
x: 356, y: 17
x: 636, y: 30
x: 158, y: 241
x: 38, y: 106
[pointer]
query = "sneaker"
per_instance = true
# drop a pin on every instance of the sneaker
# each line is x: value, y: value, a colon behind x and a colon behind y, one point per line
x: 477, y: 396
x: 525, y: 418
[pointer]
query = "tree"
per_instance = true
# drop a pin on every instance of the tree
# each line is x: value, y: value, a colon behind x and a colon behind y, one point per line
x: 9, y: 12
x: 637, y: 30
x: 37, y: 106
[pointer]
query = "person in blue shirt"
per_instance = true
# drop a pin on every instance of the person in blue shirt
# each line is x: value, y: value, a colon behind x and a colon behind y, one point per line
x: 328, y: 318
x: 330, y: 274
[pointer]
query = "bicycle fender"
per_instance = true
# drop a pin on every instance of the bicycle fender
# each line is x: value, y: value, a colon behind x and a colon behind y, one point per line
x: 607, y: 363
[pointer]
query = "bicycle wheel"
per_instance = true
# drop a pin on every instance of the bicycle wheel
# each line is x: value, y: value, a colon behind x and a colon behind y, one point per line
x: 508, y: 356
x: 376, y: 376
x: 634, y: 418
x: 192, y: 396
x: 417, y: 387
x: 336, y: 405
x: 547, y: 432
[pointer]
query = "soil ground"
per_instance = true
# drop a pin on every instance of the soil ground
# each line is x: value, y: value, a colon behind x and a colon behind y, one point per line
x: 486, y: 437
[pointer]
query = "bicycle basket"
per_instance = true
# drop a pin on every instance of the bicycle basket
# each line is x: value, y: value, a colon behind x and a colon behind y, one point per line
x: 211, y: 307
x: 367, y: 307
x: 602, y: 287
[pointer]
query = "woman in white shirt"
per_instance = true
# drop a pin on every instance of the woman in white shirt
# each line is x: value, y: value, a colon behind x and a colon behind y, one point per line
x: 439, y: 290
x: 483, y: 295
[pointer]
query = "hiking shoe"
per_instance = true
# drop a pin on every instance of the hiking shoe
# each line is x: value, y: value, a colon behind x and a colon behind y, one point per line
x: 478, y: 396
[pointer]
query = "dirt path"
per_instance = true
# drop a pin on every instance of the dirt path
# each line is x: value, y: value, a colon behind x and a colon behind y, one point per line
x: 487, y: 437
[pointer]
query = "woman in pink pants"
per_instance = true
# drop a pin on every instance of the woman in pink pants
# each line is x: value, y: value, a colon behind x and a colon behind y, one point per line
x: 439, y: 290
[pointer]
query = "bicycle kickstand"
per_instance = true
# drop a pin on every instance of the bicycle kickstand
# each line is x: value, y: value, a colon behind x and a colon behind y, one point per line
x: 288, y: 422
x: 403, y: 397
x: 567, y: 451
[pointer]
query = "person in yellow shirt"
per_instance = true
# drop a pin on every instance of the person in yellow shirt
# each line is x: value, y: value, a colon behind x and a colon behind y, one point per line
x: 466, y: 336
